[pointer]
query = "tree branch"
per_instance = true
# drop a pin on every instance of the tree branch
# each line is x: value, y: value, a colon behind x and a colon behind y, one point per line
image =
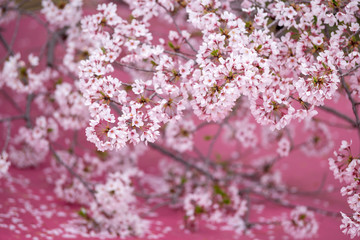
x: 6, y: 46
x: 29, y: 100
x: 338, y: 114
x: 181, y: 160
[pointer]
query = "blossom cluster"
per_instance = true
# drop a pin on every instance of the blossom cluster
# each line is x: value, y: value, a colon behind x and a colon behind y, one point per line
x: 346, y: 169
x: 302, y: 223
x: 117, y: 206
x: 30, y: 146
x: 233, y: 60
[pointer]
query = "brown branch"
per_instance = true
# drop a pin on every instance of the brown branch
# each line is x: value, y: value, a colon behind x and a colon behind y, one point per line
x: 180, y: 160
x: 353, y: 103
x: 6, y: 46
x: 339, y: 115
x: 350, y: 71
x: 51, y: 44
x: 9, y: 119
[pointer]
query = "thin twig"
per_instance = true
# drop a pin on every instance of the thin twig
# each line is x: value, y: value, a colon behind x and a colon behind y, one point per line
x: 12, y: 41
x: 216, y: 136
x: 338, y: 114
x: 11, y: 100
x: 177, y: 27
x: 8, y: 135
x: 248, y: 207
x: 6, y: 46
x: 354, y: 34
x: 253, y: 224
x: 288, y: 133
x: 72, y: 172
x: 29, y: 100
x: 115, y: 107
x: 16, y: 30
x: 203, y: 124
x: 135, y: 68
x: 178, y: 54
x: 350, y: 71
x: 353, y: 103
x: 272, y: 24
x: 51, y: 44
x: 314, y: 209
x: 332, y: 124
x: 9, y: 119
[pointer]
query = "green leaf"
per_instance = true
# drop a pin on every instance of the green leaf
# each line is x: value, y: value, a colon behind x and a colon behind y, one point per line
x: 315, y: 20
x: 226, y: 201
x: 59, y: 81
x: 225, y: 197
x: 101, y: 155
x: 154, y: 63
x: 215, y: 53
x: 183, y: 180
x: 171, y: 45
x: 199, y: 209
x: 127, y: 88
x: 82, y: 213
x: 218, y: 190
x: 23, y: 75
x: 335, y: 3
x: 207, y: 138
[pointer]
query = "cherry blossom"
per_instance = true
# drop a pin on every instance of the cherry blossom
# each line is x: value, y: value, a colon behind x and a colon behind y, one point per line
x: 301, y: 224
x: 226, y: 92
